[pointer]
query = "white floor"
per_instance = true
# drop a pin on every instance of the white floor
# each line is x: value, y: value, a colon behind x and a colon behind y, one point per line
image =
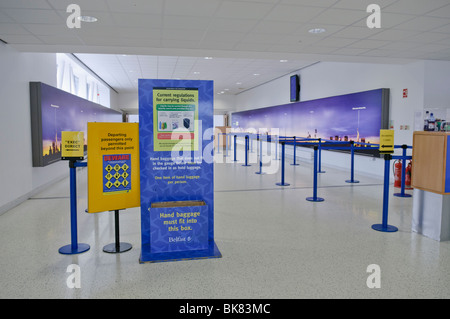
x: 274, y: 243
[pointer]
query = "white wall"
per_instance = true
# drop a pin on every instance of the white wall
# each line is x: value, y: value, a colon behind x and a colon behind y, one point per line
x: 18, y: 178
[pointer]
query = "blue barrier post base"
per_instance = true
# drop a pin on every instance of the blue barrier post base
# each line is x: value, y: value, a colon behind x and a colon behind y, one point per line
x: 402, y: 195
x: 260, y: 173
x: 384, y: 228
x: 246, y: 165
x: 315, y: 199
x: 321, y: 172
x: 73, y: 250
x: 282, y: 184
x: 295, y: 164
x: 351, y: 181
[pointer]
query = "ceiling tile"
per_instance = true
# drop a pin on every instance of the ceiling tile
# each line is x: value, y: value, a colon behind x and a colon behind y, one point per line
x: 22, y: 4
x: 443, y: 12
x: 361, y: 4
x: 197, y: 8
x: 135, y: 6
x: 243, y: 10
x: 294, y: 13
x: 423, y: 24
x: 340, y: 17
x: 317, y: 3
x: 415, y: 6
x: 34, y: 16
x: 12, y: 28
x: 240, y: 25
x: 85, y: 5
x: 20, y: 38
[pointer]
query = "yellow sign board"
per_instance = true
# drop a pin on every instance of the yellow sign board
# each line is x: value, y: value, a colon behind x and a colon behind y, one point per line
x: 386, y: 141
x: 72, y: 145
x: 113, y: 166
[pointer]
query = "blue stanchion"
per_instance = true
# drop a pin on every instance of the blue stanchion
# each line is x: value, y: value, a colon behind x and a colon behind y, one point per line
x: 74, y: 247
x: 402, y: 189
x: 315, y: 198
x: 295, y: 153
x: 246, y: 151
x: 384, y: 227
x: 320, y: 157
x: 260, y: 172
x: 282, y: 167
x: 235, y: 136
x: 352, y: 164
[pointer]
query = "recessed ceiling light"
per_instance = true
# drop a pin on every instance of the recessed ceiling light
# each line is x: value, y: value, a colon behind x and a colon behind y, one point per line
x: 196, y: 72
x: 208, y: 58
x: 238, y: 83
x: 87, y: 19
x: 255, y: 73
x: 317, y: 30
x: 282, y: 61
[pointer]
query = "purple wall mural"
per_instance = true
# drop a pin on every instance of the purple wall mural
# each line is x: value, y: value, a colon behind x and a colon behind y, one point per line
x: 353, y: 117
x: 54, y: 110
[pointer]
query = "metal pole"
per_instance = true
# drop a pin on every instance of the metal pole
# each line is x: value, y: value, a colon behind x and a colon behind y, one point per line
x: 74, y: 247
x: 320, y: 157
x: 246, y: 151
x: 295, y: 152
x: 384, y: 227
x: 282, y: 167
x: 352, y: 164
x: 235, y: 148
x: 315, y: 198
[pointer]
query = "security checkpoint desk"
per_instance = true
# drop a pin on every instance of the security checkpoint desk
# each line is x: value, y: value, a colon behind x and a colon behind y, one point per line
x: 431, y: 182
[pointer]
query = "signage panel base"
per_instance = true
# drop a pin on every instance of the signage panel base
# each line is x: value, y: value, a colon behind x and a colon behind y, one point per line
x: 117, y: 248
x: 212, y: 252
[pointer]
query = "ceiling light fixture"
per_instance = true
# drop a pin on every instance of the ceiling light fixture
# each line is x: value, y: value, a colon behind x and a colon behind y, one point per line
x: 283, y: 61
x: 255, y: 74
x: 87, y: 19
x: 317, y: 30
x: 208, y: 58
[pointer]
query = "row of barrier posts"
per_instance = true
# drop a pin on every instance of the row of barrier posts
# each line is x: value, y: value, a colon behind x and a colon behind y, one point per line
x: 384, y: 226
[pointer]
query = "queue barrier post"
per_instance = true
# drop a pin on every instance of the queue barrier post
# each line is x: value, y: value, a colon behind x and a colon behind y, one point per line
x: 315, y: 198
x: 246, y: 151
x: 260, y: 172
x: 320, y: 157
x: 295, y: 152
x: 282, y: 167
x: 235, y: 136
x: 384, y: 227
x: 352, y: 164
x: 74, y: 247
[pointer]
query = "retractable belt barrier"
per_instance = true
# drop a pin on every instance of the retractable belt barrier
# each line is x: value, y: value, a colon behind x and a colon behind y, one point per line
x: 320, y: 144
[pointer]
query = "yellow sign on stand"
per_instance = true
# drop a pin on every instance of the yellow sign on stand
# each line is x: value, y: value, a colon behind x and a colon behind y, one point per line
x: 72, y: 145
x: 386, y: 141
x: 113, y: 166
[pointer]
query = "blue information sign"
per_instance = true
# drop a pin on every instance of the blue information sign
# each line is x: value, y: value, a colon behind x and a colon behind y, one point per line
x: 176, y: 170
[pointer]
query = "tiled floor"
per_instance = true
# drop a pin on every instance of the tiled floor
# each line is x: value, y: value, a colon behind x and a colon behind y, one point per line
x: 274, y: 243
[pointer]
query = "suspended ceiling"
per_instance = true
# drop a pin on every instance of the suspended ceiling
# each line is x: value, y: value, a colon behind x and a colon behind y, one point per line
x: 245, y: 39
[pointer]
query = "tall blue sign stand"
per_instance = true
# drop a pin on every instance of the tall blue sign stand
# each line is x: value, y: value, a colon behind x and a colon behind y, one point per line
x: 177, y: 187
x: 74, y: 247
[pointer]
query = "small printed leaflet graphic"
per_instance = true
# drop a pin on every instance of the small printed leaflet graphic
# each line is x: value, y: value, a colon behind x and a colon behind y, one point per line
x: 116, y: 173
